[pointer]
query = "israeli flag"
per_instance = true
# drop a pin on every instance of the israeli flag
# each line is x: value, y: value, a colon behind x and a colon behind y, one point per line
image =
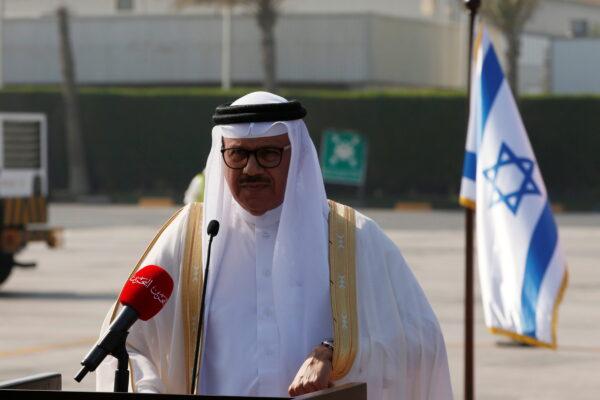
x: 522, y: 269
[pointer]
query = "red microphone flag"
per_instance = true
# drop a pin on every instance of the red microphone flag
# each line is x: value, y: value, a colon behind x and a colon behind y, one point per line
x: 147, y: 291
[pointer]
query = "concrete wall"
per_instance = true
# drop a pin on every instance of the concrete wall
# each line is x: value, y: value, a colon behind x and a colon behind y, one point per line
x: 418, y: 53
x: 437, y: 9
x: 324, y: 49
x: 116, y: 50
x: 534, y: 64
x: 575, y: 66
x: 332, y: 49
x: 426, y: 9
x: 185, y: 49
x: 554, y: 17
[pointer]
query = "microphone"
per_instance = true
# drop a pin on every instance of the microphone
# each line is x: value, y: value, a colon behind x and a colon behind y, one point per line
x: 212, y: 229
x: 142, y: 297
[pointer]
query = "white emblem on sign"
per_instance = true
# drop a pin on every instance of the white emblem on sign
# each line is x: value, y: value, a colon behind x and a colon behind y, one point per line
x: 344, y: 151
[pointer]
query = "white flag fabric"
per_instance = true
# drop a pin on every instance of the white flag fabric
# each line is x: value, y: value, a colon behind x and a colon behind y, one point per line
x: 522, y: 268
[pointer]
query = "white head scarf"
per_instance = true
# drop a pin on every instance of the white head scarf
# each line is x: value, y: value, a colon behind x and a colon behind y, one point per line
x: 300, y: 260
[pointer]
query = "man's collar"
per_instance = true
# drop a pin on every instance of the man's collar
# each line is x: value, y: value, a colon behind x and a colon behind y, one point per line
x: 266, y: 220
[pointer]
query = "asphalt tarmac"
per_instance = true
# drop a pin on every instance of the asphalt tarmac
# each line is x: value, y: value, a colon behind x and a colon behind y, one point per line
x: 50, y: 315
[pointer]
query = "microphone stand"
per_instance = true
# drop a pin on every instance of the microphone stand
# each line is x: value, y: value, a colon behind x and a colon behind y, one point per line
x: 122, y: 372
x: 119, y: 351
x: 212, y: 230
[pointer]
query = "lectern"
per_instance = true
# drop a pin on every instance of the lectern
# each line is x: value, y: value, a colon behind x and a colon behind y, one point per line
x: 47, y: 387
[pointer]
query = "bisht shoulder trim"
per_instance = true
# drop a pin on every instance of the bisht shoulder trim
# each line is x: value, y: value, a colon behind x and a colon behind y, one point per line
x: 342, y: 280
x: 191, y: 281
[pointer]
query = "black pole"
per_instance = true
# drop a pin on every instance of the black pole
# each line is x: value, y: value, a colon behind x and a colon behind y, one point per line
x: 77, y: 163
x: 473, y: 7
x: 121, y: 384
x: 212, y: 230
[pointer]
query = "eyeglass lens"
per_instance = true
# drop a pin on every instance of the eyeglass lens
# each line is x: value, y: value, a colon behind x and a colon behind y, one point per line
x: 267, y: 157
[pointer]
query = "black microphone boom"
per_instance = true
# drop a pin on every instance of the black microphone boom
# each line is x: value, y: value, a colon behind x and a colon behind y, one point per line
x: 211, y: 230
x: 112, y: 339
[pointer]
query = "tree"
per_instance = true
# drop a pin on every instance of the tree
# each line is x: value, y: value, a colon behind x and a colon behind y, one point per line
x: 510, y: 16
x: 78, y: 178
x: 266, y: 17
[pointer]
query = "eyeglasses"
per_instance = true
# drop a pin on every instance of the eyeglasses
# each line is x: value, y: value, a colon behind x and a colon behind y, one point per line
x: 266, y: 157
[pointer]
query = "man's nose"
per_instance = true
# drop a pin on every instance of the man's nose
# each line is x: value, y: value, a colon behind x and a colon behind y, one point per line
x: 253, y: 167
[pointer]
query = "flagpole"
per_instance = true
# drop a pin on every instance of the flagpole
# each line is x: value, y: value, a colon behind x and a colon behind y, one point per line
x: 472, y: 6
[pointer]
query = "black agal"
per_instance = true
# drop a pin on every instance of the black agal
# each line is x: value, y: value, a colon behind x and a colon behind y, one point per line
x: 227, y: 114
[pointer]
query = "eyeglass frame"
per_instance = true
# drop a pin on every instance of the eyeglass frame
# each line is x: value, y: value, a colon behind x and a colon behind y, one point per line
x: 254, y: 153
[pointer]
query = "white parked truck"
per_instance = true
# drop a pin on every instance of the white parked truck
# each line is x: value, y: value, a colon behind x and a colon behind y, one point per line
x: 23, y: 187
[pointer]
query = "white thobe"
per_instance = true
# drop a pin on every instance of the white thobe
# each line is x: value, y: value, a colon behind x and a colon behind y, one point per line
x: 401, y: 353
x: 247, y: 359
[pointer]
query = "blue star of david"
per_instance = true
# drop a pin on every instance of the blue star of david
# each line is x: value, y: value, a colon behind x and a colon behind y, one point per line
x: 511, y: 198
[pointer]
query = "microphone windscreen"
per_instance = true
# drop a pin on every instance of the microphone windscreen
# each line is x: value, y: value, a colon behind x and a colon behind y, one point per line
x: 213, y: 228
x: 147, y: 291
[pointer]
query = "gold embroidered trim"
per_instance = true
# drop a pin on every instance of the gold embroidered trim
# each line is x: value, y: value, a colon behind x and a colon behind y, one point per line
x: 342, y: 280
x: 192, y: 278
x: 115, y: 306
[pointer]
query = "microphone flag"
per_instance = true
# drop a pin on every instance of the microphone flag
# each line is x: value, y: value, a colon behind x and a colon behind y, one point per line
x: 522, y: 269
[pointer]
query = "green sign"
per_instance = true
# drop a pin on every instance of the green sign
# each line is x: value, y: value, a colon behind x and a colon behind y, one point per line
x: 343, y: 157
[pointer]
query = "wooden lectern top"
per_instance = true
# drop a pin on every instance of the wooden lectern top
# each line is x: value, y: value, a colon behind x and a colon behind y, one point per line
x: 349, y: 391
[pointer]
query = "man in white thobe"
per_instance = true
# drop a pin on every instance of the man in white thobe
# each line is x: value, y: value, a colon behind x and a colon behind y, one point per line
x: 269, y: 315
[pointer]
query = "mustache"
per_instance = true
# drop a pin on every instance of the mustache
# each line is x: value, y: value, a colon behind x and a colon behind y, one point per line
x: 250, y: 179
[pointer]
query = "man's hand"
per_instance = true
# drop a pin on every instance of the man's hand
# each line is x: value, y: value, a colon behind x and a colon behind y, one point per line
x: 314, y: 373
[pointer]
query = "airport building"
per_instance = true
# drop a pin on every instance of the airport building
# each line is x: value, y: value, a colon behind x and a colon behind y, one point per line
x: 343, y: 43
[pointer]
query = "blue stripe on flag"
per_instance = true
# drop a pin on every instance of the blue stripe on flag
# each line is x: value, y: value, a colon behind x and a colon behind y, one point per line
x: 470, y: 165
x: 541, y: 248
x: 491, y: 79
